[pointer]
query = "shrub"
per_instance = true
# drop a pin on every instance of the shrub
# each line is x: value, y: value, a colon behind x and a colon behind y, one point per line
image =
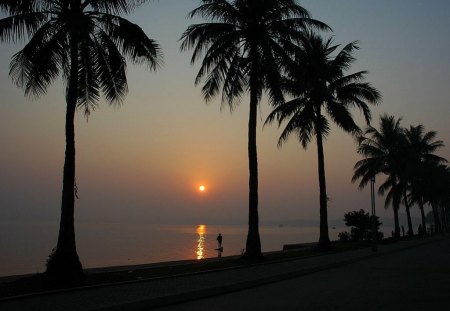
x: 344, y: 236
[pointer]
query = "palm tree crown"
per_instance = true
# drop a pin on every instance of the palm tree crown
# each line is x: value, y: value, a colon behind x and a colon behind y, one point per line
x: 93, y: 29
x: 88, y: 43
x: 244, y: 46
x: 245, y: 40
x: 380, y: 149
x: 422, y: 164
x: 422, y: 145
x: 318, y: 84
x: 383, y: 151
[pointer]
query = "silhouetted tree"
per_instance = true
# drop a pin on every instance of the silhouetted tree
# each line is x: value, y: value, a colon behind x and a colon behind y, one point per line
x: 319, y: 86
x: 245, y: 44
x: 383, y: 154
x: 361, y: 223
x: 88, y: 42
x: 420, y: 156
x: 437, y: 192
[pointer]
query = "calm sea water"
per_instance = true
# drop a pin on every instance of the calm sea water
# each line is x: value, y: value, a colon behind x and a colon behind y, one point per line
x: 24, y: 247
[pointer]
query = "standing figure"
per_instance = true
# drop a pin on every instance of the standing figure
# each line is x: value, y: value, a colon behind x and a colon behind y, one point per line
x: 219, y: 240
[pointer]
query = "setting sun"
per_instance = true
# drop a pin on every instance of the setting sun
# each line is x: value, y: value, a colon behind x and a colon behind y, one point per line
x: 202, y: 188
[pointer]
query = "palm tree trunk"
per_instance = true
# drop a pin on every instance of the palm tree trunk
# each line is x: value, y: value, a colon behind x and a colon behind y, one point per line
x: 422, y: 214
x: 64, y: 262
x: 253, y: 245
x: 446, y: 218
x: 444, y: 223
x: 437, y: 221
x: 396, y: 223
x: 324, y: 239
x: 408, y: 215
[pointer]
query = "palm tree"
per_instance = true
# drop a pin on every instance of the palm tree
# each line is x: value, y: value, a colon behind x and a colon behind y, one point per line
x: 417, y: 192
x: 395, y: 187
x: 245, y: 44
x: 88, y: 42
x: 421, y: 146
x: 318, y: 84
x: 445, y: 199
x: 436, y: 192
x: 382, y: 152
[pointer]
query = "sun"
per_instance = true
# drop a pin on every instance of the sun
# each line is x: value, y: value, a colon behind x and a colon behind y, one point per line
x: 202, y: 188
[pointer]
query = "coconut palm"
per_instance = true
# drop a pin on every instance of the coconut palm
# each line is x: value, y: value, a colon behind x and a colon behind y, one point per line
x: 88, y: 43
x: 244, y: 45
x: 445, y: 199
x: 436, y: 192
x: 421, y: 146
x: 417, y: 191
x: 319, y: 85
x: 383, y: 154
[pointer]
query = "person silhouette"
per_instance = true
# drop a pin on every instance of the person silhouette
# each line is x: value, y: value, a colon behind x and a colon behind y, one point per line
x: 219, y: 240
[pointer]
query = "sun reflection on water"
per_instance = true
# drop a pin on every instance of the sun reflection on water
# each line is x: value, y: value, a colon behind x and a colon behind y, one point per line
x: 201, y: 231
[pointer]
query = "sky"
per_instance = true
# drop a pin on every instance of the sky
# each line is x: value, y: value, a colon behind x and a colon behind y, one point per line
x: 143, y: 161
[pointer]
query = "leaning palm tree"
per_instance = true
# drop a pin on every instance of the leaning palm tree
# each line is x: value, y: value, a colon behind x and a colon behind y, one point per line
x: 421, y: 146
x: 88, y: 43
x: 319, y: 85
x: 383, y: 154
x: 245, y: 44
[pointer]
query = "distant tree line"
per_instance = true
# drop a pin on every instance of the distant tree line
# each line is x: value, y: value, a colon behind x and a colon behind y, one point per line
x: 415, y: 175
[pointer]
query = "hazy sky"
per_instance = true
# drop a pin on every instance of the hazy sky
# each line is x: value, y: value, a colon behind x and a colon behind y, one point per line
x: 143, y: 161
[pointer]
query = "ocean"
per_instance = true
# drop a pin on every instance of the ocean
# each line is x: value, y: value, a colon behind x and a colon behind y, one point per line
x: 25, y: 246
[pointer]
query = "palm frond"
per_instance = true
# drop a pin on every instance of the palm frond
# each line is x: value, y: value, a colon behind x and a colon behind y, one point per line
x: 341, y: 116
x: 39, y: 63
x: 273, y: 81
x: 289, y: 109
x: 202, y: 37
x: 111, y: 69
x: 132, y: 41
x: 235, y: 81
x: 223, y: 50
x: 217, y: 10
x: 88, y: 85
x: 15, y: 7
x: 115, y: 7
x: 345, y: 57
x: 17, y: 27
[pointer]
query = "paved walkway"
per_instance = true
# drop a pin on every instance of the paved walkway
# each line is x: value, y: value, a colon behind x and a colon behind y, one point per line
x: 156, y: 292
x: 414, y: 279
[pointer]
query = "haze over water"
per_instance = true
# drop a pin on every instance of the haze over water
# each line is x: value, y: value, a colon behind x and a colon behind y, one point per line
x: 118, y: 244
x: 103, y: 245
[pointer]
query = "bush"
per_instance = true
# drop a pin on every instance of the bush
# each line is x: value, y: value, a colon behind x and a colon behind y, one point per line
x: 361, y: 224
x: 344, y: 236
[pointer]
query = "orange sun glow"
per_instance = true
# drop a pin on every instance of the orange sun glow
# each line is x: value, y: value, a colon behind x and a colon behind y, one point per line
x: 201, y: 188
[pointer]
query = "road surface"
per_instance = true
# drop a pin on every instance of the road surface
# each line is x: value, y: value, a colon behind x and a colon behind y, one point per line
x: 413, y: 279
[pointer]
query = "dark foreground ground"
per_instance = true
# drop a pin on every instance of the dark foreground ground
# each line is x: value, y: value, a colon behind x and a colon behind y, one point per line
x: 413, y: 279
x: 411, y: 273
